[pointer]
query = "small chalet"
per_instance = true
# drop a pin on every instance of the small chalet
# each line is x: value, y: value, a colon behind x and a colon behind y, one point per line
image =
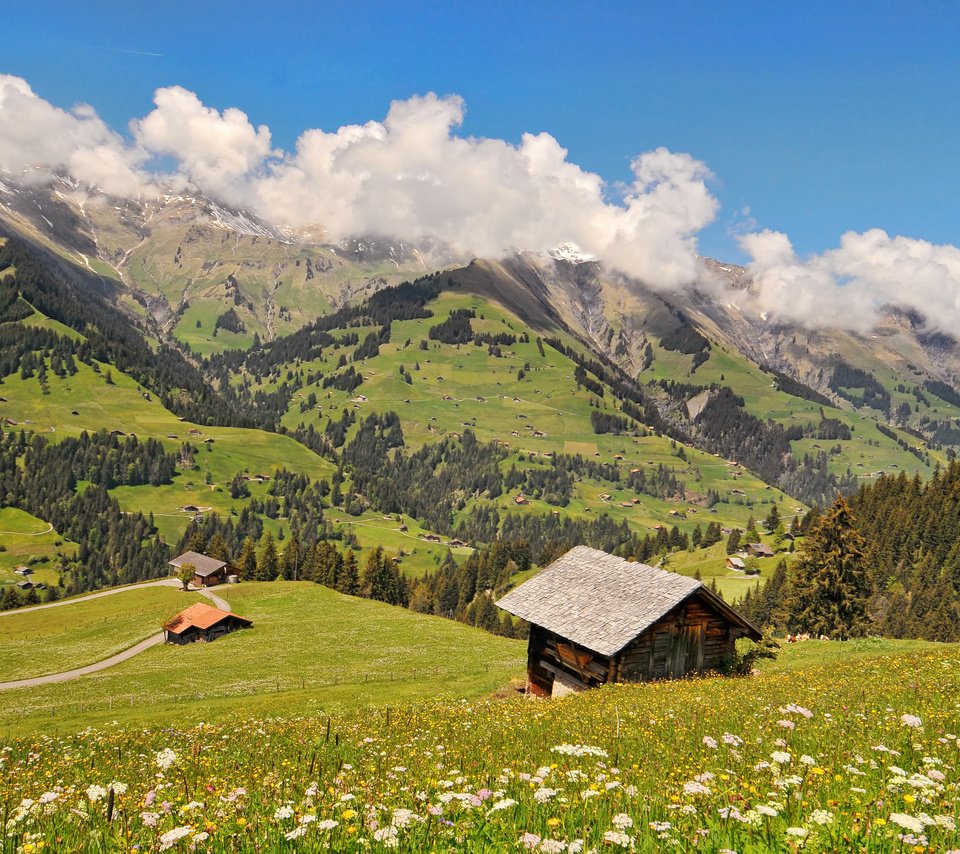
x: 759, y: 550
x: 201, y: 622
x: 736, y: 563
x: 596, y: 618
x: 207, y: 571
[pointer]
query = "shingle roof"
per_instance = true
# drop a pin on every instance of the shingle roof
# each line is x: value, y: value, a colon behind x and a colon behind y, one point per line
x: 200, y: 616
x: 202, y: 564
x: 599, y: 601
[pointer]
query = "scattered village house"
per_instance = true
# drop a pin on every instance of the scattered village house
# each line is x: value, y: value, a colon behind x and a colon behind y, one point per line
x: 596, y: 618
x: 759, y: 550
x: 201, y: 622
x: 207, y: 571
x: 736, y: 563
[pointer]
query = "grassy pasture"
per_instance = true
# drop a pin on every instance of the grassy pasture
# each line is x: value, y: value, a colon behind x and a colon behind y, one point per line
x: 309, y: 649
x: 123, y: 406
x: 854, y: 750
x: 51, y: 640
x: 29, y: 541
x: 456, y: 387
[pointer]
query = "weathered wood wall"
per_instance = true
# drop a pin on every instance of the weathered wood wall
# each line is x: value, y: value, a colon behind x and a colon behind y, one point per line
x: 691, y: 638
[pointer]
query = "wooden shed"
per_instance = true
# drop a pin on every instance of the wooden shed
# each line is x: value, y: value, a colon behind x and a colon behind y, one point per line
x: 596, y: 618
x: 207, y: 571
x: 201, y: 622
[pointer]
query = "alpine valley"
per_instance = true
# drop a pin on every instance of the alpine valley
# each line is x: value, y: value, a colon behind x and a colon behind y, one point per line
x: 207, y: 375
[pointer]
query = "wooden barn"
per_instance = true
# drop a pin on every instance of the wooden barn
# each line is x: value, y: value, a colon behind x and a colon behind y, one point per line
x: 201, y: 622
x: 207, y: 571
x: 596, y: 618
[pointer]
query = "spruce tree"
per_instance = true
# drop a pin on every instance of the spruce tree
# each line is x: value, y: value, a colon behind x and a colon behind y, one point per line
x: 348, y: 579
x: 733, y: 541
x: 268, y: 566
x: 247, y: 562
x: 828, y: 589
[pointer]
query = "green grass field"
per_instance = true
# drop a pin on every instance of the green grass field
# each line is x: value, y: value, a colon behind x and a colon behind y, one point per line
x: 51, y: 640
x: 836, y: 747
x: 124, y: 406
x: 458, y: 387
x: 29, y: 541
x: 309, y: 649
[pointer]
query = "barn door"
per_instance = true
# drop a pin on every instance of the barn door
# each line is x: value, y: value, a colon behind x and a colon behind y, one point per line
x: 687, y: 652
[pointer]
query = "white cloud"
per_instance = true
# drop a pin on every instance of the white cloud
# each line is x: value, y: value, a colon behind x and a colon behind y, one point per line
x: 414, y: 176
x: 848, y: 286
x: 220, y: 152
x: 37, y: 139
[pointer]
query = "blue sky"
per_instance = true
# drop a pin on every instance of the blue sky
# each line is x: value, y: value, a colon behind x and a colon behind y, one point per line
x: 819, y: 118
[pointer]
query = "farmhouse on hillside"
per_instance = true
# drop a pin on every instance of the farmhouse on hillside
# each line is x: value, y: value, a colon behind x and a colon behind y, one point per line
x: 596, y: 618
x: 207, y: 571
x: 734, y: 562
x: 759, y: 550
x: 201, y: 622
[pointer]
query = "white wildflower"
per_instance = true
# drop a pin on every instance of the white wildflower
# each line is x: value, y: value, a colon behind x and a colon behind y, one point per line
x: 781, y: 757
x: 907, y: 822
x: 282, y: 813
x: 710, y: 742
x: 387, y: 836
x: 503, y: 804
x: 580, y: 750
x: 544, y: 794
x: 615, y: 837
x: 693, y: 787
x: 172, y: 837
x: 95, y: 792
x: 621, y: 821
x: 401, y: 817
x: 165, y: 759
x: 799, y: 832
x: 821, y: 817
x: 911, y: 721
x: 793, y: 708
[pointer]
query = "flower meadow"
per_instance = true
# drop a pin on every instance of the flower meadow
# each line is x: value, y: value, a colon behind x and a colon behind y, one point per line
x: 858, y: 756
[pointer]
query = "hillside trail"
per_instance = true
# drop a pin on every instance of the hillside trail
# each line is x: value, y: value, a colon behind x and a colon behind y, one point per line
x: 126, y: 654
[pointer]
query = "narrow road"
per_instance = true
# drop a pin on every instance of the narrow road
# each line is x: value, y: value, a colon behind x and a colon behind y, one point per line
x: 24, y: 534
x: 113, y: 591
x: 153, y: 640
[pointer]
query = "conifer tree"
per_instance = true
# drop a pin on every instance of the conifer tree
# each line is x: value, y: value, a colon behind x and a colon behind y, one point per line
x: 217, y: 548
x: 268, y: 565
x: 733, y: 541
x: 828, y: 590
x: 247, y: 562
x: 348, y: 579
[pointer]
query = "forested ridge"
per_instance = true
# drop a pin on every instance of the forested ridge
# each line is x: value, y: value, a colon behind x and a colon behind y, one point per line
x: 449, y: 485
x: 896, y: 549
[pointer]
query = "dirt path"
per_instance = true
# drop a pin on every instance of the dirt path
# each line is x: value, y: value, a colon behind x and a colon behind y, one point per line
x: 23, y: 534
x: 136, y: 649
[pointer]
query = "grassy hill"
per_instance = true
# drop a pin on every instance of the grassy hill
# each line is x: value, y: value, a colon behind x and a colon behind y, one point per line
x: 851, y: 748
x: 51, y: 640
x: 310, y: 649
x: 29, y: 541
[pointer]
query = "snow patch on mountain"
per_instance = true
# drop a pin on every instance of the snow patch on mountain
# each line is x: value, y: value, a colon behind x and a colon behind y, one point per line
x: 570, y: 252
